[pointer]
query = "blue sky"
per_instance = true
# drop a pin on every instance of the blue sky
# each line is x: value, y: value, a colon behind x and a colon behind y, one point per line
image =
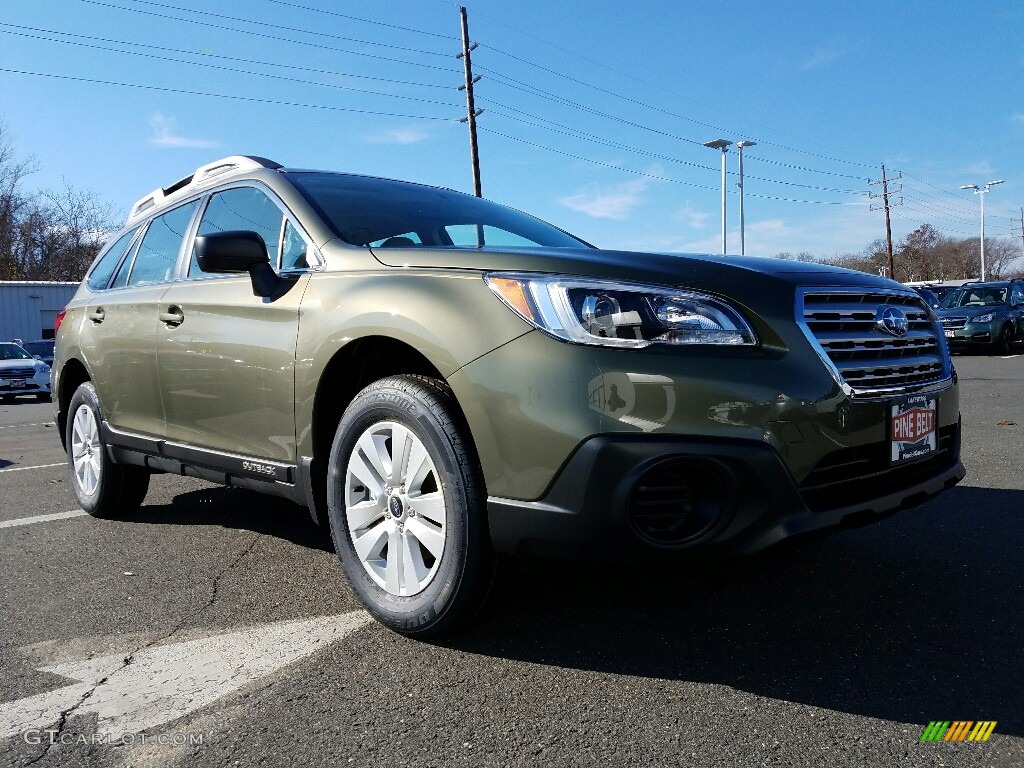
x: 594, y: 112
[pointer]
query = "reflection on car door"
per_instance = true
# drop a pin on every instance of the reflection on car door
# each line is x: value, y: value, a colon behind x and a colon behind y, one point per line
x: 227, y: 357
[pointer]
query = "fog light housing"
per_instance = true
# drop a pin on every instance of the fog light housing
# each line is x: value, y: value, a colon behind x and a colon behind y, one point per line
x: 677, y: 502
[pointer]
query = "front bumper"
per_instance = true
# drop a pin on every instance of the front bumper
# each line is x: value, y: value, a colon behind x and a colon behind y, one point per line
x: 972, y: 335
x: 594, y: 509
x: 36, y: 385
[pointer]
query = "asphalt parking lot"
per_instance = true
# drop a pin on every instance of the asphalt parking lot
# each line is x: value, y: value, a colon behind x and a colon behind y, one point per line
x: 215, y: 628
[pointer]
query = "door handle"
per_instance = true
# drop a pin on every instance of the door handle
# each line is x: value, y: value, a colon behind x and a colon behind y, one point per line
x: 173, y: 316
x: 96, y: 315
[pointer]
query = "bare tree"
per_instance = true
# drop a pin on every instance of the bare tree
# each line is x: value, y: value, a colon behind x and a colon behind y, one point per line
x: 13, y: 202
x: 54, y: 235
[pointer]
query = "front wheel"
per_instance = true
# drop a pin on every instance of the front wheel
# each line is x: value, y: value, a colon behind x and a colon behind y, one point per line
x: 407, y: 507
x: 101, y: 487
x: 1005, y: 341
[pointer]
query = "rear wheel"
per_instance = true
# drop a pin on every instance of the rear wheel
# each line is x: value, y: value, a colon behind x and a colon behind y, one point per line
x: 407, y: 507
x: 102, y: 487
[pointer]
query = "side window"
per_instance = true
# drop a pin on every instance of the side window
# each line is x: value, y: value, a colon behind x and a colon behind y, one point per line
x: 121, y: 278
x: 1017, y: 294
x: 158, y: 252
x: 104, y: 267
x: 243, y: 208
x: 293, y: 251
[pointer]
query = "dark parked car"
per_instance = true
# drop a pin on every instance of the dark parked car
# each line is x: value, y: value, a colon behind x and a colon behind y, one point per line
x: 928, y: 295
x: 40, y: 350
x: 986, y: 316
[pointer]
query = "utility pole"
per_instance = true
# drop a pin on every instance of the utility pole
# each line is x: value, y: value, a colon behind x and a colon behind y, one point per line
x: 885, y: 193
x: 739, y: 151
x: 1021, y: 230
x: 471, y: 111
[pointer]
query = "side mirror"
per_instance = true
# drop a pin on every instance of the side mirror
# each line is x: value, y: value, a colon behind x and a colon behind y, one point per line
x: 238, y: 251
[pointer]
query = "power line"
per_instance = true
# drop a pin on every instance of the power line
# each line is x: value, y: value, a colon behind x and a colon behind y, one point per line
x: 574, y: 133
x: 236, y: 70
x: 652, y: 175
x: 366, y: 21
x: 659, y: 109
x: 518, y: 85
x: 318, y: 33
x: 636, y: 79
x: 235, y: 97
x: 275, y: 38
x: 332, y: 73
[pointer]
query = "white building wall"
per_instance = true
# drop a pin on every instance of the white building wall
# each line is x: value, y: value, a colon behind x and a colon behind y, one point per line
x: 28, y: 309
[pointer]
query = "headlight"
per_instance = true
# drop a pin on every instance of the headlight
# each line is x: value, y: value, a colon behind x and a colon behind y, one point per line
x: 614, y: 314
x: 983, y: 318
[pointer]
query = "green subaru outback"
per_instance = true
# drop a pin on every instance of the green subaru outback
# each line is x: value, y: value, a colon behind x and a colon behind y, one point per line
x: 442, y: 380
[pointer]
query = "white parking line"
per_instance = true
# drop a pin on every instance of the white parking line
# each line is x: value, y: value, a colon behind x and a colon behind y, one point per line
x: 38, y: 466
x: 41, y: 518
x: 37, y: 424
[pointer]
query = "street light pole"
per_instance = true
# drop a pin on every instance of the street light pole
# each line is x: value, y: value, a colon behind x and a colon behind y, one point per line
x: 739, y: 151
x: 981, y: 193
x: 723, y: 145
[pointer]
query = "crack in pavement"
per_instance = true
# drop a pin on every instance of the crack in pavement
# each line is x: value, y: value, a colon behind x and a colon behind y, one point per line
x: 66, y: 714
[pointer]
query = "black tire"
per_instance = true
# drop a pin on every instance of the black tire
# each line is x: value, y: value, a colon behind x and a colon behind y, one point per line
x: 42, y: 397
x: 1005, y: 341
x: 119, y: 489
x: 465, y: 569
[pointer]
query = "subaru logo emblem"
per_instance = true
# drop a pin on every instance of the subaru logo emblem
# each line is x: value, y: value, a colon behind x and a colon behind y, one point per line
x: 893, y: 321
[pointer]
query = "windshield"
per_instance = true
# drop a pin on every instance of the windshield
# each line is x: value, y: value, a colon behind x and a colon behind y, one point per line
x: 389, y: 214
x: 38, y: 347
x: 975, y: 296
x: 13, y: 352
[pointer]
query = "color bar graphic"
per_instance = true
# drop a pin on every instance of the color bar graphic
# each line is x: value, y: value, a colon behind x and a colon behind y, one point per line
x: 959, y: 730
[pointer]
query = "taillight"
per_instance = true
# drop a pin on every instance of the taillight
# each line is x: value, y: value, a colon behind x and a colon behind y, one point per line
x: 58, y: 320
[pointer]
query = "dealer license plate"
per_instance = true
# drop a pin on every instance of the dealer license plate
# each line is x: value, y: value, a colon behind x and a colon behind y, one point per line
x: 912, y: 428
x: 16, y: 383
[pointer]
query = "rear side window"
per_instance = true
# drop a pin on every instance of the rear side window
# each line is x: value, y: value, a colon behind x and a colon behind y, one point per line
x: 158, y: 252
x: 1017, y: 294
x: 100, y: 274
x: 243, y: 208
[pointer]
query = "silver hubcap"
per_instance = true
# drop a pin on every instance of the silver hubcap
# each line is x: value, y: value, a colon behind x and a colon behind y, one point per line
x: 395, y: 509
x: 85, y: 450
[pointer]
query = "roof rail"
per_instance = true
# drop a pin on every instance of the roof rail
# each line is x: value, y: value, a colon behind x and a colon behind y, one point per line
x: 203, y: 174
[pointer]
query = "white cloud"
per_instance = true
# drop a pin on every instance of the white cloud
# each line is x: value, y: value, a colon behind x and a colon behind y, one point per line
x: 408, y: 135
x: 614, y: 201
x: 165, y: 136
x: 982, y: 168
x: 1018, y: 118
x: 694, y: 219
x: 823, y: 56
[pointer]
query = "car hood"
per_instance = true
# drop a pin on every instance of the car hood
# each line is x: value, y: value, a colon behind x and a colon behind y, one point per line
x: 6, y: 364
x: 702, y: 271
x: 969, y: 312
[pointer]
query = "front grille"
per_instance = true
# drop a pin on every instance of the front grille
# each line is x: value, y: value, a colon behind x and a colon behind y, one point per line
x: 854, y: 475
x: 17, y: 373
x: 954, y: 322
x: 846, y: 328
